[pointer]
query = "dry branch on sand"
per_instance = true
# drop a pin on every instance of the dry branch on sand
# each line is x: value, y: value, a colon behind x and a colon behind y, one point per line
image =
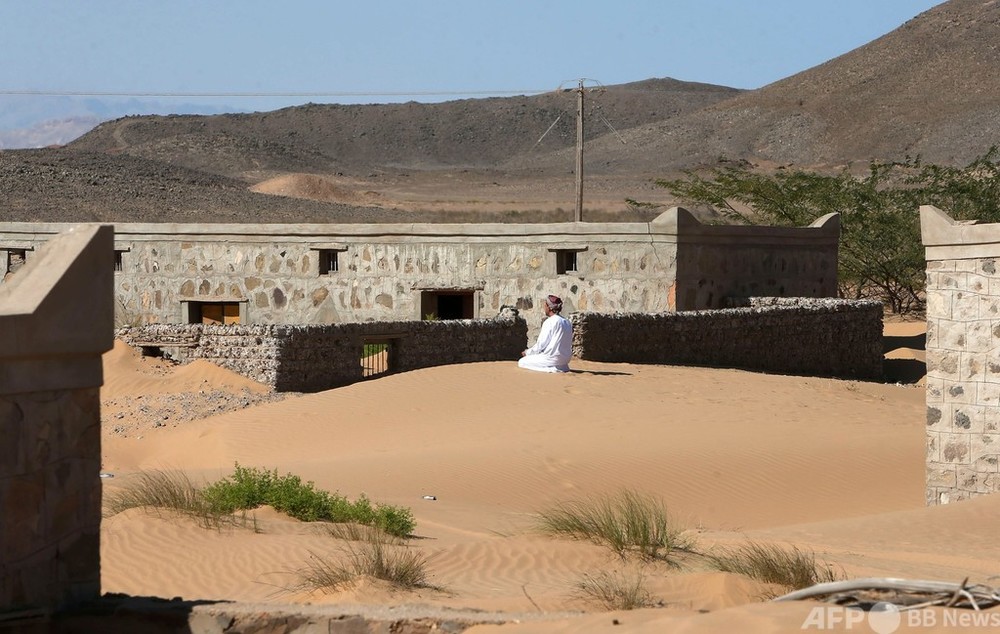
x: 905, y: 594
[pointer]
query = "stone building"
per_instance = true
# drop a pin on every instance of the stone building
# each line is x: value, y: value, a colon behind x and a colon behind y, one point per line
x: 335, y: 273
x: 963, y: 356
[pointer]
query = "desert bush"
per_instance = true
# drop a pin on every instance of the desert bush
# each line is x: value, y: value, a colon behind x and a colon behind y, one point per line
x: 627, y: 522
x: 249, y: 488
x: 375, y: 554
x: 615, y: 591
x: 788, y: 567
x: 221, y: 502
x: 880, y: 255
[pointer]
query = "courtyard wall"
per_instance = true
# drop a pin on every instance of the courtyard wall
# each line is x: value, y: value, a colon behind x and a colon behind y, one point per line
x: 813, y: 337
x: 313, y: 358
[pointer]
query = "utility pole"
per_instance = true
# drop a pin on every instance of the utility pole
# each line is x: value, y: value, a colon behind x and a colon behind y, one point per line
x: 579, y: 153
x: 578, y: 214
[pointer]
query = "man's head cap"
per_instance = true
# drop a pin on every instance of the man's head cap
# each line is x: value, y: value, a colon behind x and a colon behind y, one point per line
x: 553, y: 302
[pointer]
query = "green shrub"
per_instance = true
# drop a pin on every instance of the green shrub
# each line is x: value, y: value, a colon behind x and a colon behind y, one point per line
x: 628, y: 522
x: 251, y: 487
x: 880, y: 254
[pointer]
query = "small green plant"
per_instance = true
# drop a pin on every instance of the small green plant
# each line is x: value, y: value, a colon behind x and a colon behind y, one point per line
x: 615, y: 591
x: 371, y: 349
x: 373, y: 554
x: 628, y: 522
x: 789, y: 567
x: 249, y: 488
x: 223, y: 501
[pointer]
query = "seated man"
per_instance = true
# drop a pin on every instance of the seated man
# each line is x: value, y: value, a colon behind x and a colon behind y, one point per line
x: 552, y: 351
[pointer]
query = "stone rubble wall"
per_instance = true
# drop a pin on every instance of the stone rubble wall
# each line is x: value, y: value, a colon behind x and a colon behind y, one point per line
x: 314, y: 358
x: 815, y: 337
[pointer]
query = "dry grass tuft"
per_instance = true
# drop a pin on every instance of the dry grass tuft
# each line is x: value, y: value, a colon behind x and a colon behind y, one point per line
x: 627, y: 523
x: 367, y: 553
x: 615, y: 591
x: 173, y: 491
x: 788, y: 567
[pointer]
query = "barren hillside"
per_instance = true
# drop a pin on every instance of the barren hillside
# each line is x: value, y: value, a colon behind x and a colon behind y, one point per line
x: 928, y: 88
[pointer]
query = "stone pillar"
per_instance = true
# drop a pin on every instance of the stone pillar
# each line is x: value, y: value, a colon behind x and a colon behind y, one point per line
x: 56, y: 319
x: 963, y: 357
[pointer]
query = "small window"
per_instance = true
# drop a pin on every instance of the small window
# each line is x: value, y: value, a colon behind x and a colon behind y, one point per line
x: 329, y: 261
x: 447, y: 304
x: 565, y: 261
x: 118, y: 260
x: 16, y: 259
x: 213, y: 312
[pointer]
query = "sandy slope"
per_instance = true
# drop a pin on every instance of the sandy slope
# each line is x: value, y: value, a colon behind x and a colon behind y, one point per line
x: 832, y: 466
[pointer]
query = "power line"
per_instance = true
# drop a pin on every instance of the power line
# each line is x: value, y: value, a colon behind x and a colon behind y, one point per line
x: 415, y: 93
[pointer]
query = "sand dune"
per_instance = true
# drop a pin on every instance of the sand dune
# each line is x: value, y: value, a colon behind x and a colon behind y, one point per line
x: 831, y: 466
x: 313, y: 187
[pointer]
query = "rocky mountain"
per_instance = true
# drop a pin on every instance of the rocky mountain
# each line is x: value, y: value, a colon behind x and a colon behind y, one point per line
x: 928, y: 88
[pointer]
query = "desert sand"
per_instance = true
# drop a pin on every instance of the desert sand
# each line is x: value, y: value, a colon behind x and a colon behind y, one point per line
x: 831, y: 466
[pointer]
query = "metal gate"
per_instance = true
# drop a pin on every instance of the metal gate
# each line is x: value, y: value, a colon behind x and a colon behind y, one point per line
x: 375, y: 356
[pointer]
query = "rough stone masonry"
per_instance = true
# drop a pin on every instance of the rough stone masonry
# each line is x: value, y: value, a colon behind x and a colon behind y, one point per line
x: 963, y: 357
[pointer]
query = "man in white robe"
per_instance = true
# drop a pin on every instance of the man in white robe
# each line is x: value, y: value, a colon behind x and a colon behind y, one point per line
x: 552, y: 351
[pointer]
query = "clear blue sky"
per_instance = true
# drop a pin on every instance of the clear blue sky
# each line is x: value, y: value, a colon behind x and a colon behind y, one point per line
x: 366, y: 51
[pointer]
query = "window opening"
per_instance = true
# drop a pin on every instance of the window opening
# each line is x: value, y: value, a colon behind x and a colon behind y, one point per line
x: 16, y: 259
x: 214, y: 313
x: 329, y: 261
x: 565, y: 261
x: 448, y: 305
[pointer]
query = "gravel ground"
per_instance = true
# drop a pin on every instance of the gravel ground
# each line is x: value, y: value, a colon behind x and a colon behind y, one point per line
x: 130, y: 416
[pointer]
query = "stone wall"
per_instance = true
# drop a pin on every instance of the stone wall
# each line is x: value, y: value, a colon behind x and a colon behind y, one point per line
x: 279, y: 274
x: 56, y: 317
x: 963, y: 357
x: 717, y: 263
x: 313, y: 358
x: 815, y: 337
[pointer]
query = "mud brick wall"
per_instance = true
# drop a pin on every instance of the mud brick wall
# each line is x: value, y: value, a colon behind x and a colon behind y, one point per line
x: 313, y: 358
x: 816, y: 337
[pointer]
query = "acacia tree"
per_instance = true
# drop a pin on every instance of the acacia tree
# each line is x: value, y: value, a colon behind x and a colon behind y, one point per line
x: 881, y: 255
